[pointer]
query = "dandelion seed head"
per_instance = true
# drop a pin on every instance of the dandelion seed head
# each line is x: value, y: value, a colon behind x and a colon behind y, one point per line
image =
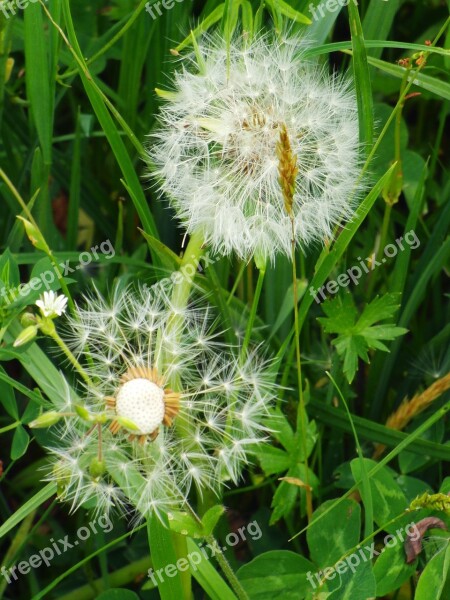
x: 151, y: 380
x: 216, y: 149
x: 142, y: 402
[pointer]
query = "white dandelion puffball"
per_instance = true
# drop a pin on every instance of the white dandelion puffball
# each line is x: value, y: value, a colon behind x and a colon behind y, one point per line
x: 167, y: 406
x: 243, y: 129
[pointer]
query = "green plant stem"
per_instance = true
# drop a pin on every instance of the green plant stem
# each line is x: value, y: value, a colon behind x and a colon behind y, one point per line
x: 301, y: 414
x: 188, y: 270
x: 253, y: 310
x: 383, y: 238
x: 9, y: 427
x: 182, y: 287
x: 227, y: 570
x: 47, y: 250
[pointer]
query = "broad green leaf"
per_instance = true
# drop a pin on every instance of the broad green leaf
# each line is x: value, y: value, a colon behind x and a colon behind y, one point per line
x: 391, y: 569
x: 281, y: 430
x: 20, y: 442
x: 275, y: 572
x: 336, y: 533
x: 185, y: 523
x: 388, y: 499
x: 357, y: 583
x: 211, y: 518
x: 435, y: 577
x: 289, y: 491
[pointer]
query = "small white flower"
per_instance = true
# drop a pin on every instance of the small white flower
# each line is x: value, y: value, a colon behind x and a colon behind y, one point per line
x: 155, y: 443
x: 218, y: 154
x: 51, y: 304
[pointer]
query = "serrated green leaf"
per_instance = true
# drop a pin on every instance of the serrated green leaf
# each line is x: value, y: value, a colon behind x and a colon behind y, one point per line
x: 273, y: 460
x: 358, y: 335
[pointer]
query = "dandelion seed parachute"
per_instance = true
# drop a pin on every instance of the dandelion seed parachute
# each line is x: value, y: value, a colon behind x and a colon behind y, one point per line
x: 215, y: 151
x: 136, y: 349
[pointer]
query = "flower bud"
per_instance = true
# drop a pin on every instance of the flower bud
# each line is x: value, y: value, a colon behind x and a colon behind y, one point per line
x: 27, y: 335
x: 97, y: 468
x: 126, y: 423
x: 34, y: 235
x: 47, y: 419
x: 27, y: 319
x: 84, y: 414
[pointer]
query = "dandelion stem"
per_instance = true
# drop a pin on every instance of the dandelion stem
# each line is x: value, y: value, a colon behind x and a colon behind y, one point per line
x: 253, y: 310
x: 227, y: 570
x: 288, y: 170
x: 301, y: 415
x: 180, y: 297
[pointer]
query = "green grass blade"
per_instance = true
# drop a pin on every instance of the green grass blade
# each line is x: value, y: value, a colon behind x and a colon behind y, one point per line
x: 368, y: 504
x: 37, y: 76
x: 378, y: 21
x: 163, y: 553
x: 28, y: 507
x: 329, y: 258
x: 362, y: 79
